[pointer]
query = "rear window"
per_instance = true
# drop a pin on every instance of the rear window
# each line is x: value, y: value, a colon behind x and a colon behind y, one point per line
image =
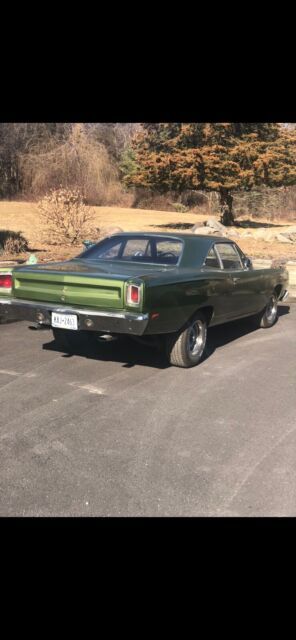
x: 212, y: 260
x: 229, y: 256
x: 154, y: 249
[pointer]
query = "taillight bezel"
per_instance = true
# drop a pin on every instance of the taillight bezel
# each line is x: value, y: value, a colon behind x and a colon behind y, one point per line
x: 128, y: 296
x: 5, y: 276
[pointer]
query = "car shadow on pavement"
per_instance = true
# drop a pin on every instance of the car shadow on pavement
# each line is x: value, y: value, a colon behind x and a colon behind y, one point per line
x: 231, y: 331
x: 130, y: 353
x: 124, y: 350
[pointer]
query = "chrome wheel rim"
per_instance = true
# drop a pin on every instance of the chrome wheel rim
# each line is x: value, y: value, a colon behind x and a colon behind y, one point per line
x: 195, y: 338
x: 271, y: 309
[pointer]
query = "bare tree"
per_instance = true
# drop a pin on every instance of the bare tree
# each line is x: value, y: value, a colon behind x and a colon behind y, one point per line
x: 78, y: 161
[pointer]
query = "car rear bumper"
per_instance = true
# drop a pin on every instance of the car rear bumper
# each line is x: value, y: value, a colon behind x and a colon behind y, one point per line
x: 88, y: 319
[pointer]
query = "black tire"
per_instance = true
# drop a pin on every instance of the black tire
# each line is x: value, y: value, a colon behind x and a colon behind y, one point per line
x: 186, y: 348
x: 268, y: 317
x: 69, y: 340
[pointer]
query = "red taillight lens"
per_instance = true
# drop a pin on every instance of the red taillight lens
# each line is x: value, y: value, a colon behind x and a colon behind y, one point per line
x: 6, y: 281
x: 133, y: 294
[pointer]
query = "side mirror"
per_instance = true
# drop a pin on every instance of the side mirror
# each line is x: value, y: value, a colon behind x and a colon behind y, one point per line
x: 247, y: 263
x: 88, y: 244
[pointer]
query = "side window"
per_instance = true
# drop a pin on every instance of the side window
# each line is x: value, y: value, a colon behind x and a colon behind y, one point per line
x: 212, y: 260
x: 111, y: 250
x: 229, y: 256
x: 137, y: 247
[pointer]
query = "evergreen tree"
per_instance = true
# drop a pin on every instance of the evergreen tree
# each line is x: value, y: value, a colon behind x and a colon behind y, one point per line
x: 222, y: 157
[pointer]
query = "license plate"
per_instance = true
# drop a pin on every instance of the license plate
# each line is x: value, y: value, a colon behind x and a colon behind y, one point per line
x: 64, y: 321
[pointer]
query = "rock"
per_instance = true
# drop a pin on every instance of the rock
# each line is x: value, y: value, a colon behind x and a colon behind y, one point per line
x: 291, y: 229
x: 214, y: 224
x: 263, y: 233
x: 246, y: 234
x: 291, y: 237
x: 232, y: 234
x: 283, y: 238
x: 278, y: 262
x: 203, y: 231
x: 109, y: 231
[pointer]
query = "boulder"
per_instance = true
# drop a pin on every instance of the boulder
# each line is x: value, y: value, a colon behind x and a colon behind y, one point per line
x: 291, y: 237
x: 214, y: 224
x: 278, y: 262
x: 246, y: 234
x: 291, y: 229
x: 109, y: 231
x: 280, y: 237
x: 232, y: 234
x: 263, y: 233
x: 204, y: 231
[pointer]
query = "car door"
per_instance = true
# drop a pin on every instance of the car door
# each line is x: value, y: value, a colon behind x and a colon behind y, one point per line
x: 220, y: 286
x: 246, y: 294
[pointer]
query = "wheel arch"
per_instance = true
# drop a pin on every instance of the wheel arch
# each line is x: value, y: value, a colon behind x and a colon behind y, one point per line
x: 278, y: 290
x: 207, y: 311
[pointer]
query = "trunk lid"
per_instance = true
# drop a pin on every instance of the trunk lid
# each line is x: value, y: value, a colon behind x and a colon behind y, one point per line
x: 72, y: 284
x: 78, y: 282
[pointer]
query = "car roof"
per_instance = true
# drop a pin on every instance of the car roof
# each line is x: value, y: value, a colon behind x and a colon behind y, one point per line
x: 196, y: 247
x: 170, y: 234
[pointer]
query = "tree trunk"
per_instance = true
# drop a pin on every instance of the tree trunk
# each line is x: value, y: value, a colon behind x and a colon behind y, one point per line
x: 226, y: 201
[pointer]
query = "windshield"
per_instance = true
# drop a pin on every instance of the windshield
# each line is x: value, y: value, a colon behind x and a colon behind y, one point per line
x: 154, y: 249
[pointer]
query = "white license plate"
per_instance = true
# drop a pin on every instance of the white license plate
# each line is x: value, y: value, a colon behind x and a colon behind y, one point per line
x: 64, y: 321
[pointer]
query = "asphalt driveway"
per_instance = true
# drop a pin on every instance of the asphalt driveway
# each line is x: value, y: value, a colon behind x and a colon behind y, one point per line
x: 119, y: 433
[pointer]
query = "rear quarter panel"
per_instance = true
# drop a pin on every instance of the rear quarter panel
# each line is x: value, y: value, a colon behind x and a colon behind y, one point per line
x: 177, y: 299
x: 178, y: 295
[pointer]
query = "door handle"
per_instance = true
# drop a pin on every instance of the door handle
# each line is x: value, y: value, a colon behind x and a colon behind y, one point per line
x: 235, y: 280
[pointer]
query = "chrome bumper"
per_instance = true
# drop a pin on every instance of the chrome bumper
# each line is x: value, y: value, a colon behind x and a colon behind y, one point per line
x: 88, y: 319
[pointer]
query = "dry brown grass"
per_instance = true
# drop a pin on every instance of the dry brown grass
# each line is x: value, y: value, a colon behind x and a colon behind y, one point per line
x: 24, y: 217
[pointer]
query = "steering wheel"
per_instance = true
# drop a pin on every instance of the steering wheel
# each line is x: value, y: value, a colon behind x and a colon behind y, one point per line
x: 168, y: 254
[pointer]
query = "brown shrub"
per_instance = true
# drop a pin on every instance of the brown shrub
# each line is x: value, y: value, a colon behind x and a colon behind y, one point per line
x: 12, y: 242
x: 67, y: 218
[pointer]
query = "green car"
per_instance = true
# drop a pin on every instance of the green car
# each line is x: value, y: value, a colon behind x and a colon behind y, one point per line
x: 162, y: 288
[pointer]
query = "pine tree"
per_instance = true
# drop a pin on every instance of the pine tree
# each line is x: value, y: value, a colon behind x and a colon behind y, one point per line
x: 222, y: 157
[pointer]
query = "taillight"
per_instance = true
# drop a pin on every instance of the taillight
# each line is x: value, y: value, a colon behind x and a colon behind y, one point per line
x: 6, y: 281
x: 133, y: 294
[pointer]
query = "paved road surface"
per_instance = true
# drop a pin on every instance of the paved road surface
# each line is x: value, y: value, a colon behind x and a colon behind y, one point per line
x: 121, y: 434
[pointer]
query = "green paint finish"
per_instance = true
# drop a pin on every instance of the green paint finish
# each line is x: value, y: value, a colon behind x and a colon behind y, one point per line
x: 174, y: 292
x: 82, y: 290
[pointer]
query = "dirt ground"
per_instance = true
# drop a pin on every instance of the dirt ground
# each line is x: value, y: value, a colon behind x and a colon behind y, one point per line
x: 24, y: 217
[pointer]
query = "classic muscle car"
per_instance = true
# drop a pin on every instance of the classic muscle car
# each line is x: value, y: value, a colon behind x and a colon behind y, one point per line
x: 155, y: 286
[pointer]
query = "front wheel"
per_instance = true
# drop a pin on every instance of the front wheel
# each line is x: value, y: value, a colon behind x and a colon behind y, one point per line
x: 268, y: 317
x: 186, y: 348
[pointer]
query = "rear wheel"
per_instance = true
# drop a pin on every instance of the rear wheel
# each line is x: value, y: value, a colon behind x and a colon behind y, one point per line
x: 186, y: 348
x: 268, y: 317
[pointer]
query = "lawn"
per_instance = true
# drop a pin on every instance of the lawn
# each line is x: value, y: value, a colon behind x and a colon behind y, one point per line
x: 24, y: 217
